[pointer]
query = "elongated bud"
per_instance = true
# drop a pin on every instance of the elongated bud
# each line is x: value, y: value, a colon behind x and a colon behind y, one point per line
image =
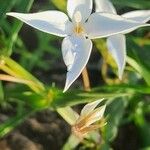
x: 88, y: 119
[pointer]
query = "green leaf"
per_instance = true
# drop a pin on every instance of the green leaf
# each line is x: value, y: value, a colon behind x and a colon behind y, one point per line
x: 23, y: 6
x: 1, y: 93
x: 5, y: 6
x: 143, y: 89
x: 144, y: 132
x: 80, y: 97
x: 138, y: 4
x: 71, y: 98
x: 115, y: 111
x: 141, y: 69
x: 138, y: 52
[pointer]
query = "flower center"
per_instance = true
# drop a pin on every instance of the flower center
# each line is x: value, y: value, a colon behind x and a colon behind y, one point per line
x: 78, y: 29
x: 76, y: 131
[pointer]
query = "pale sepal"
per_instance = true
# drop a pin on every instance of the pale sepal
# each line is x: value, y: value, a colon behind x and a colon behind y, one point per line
x: 96, y: 115
x: 88, y: 108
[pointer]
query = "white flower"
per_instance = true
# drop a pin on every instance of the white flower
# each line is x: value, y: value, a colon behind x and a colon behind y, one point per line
x: 117, y: 43
x: 84, y: 26
x: 89, y: 115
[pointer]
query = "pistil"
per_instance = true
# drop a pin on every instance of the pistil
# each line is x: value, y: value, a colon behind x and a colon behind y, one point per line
x: 78, y: 26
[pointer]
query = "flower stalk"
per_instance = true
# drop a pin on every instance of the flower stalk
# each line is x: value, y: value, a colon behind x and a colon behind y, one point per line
x: 86, y: 81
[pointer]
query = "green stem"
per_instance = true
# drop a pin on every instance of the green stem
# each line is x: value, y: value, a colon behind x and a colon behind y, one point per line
x: 16, y: 28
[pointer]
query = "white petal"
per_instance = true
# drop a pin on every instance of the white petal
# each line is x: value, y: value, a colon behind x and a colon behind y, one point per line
x: 96, y: 115
x: 53, y: 22
x: 117, y: 47
x: 68, y: 53
x: 88, y: 108
x: 82, y: 6
x: 102, y: 25
x: 81, y: 49
x: 139, y: 15
x: 105, y: 6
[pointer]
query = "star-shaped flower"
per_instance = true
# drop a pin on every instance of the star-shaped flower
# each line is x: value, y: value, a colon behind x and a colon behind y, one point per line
x: 117, y: 43
x: 78, y: 31
x: 85, y: 123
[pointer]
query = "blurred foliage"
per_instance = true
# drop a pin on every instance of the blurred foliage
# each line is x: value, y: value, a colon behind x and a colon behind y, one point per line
x: 137, y: 4
x: 128, y: 100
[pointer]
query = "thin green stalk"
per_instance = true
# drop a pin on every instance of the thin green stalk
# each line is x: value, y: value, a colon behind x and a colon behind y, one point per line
x: 14, y: 69
x: 16, y: 28
x: 144, y: 72
x: 8, y: 70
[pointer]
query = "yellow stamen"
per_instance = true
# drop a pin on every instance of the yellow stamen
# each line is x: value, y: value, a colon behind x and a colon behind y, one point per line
x: 78, y: 29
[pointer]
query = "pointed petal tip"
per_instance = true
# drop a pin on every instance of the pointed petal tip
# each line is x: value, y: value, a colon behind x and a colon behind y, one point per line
x: 144, y: 25
x: 138, y: 15
x: 102, y: 99
x: 104, y: 107
x: 67, y: 85
x: 120, y: 76
x: 97, y: 114
x: 65, y: 89
x: 102, y: 110
x: 121, y: 72
x: 89, y: 107
x: 99, y: 101
x: 10, y: 13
